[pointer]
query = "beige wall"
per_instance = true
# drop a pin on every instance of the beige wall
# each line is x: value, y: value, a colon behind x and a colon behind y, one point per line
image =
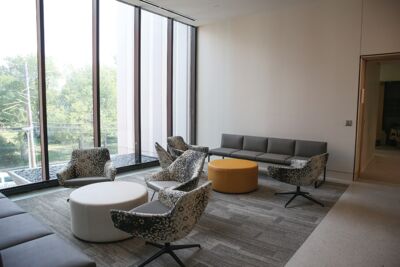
x: 291, y: 71
x: 390, y: 71
x: 381, y: 27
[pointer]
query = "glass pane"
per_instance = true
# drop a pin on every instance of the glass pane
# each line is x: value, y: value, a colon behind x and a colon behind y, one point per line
x: 116, y: 80
x: 68, y: 33
x: 20, y: 152
x: 181, y: 81
x: 153, y: 82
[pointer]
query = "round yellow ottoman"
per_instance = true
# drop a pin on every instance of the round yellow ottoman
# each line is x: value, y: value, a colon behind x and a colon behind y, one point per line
x: 233, y: 175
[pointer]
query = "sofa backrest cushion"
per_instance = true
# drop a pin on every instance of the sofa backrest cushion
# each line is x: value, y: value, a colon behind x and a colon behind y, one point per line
x: 281, y: 146
x: 309, y: 148
x: 232, y: 141
x: 254, y: 143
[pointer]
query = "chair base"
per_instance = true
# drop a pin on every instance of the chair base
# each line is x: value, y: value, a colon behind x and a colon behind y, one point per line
x: 298, y: 192
x: 167, y: 248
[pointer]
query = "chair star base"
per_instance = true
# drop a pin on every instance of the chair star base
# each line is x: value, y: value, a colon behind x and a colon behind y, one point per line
x: 167, y: 248
x: 298, y: 192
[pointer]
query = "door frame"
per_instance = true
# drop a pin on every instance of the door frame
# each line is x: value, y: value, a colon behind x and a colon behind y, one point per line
x: 361, y: 105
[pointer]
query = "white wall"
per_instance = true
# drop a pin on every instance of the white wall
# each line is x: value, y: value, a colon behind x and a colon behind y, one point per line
x: 290, y: 71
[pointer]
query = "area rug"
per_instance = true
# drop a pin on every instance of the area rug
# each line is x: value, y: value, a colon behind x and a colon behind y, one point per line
x: 251, y: 229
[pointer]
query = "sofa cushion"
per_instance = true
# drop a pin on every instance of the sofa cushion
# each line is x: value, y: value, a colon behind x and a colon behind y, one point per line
x: 274, y: 158
x: 246, y: 154
x: 47, y: 251
x: 281, y: 146
x: 232, y: 141
x: 9, y: 208
x: 309, y: 148
x: 254, y: 143
x: 85, y: 181
x: 20, y: 228
x: 222, y: 151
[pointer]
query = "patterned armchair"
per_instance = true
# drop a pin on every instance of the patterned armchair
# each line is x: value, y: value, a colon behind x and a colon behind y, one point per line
x: 170, y: 218
x: 87, y: 166
x: 176, y: 146
x: 300, y: 173
x: 164, y: 157
x: 187, y: 168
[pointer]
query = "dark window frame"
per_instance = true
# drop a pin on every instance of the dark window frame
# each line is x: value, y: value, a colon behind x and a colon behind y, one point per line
x: 46, y: 182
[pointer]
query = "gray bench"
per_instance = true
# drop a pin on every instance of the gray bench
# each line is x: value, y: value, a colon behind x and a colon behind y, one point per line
x: 24, y: 241
x: 268, y: 149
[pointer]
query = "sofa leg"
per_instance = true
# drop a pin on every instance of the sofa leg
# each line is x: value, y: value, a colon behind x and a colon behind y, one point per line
x: 319, y: 183
x: 208, y: 158
x: 223, y: 157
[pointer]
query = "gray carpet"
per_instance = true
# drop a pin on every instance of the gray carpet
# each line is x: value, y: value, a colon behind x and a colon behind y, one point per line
x: 236, y: 230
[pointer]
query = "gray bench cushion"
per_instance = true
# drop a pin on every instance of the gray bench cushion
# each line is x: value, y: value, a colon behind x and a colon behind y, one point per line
x: 281, y: 146
x: 254, y: 143
x: 20, y: 228
x: 85, y: 181
x: 222, y: 151
x: 9, y: 208
x: 246, y: 154
x: 153, y: 207
x: 232, y: 141
x: 47, y: 251
x: 310, y: 148
x: 274, y: 158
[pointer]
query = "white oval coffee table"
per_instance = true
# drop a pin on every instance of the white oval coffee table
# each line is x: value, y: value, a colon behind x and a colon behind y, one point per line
x: 91, y: 205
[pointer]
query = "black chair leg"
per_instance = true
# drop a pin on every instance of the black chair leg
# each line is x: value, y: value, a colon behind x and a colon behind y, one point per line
x: 298, y: 192
x: 167, y: 248
x: 154, y: 192
x: 208, y: 158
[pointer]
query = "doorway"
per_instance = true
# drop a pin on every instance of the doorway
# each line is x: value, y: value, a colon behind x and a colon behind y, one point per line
x: 378, y: 122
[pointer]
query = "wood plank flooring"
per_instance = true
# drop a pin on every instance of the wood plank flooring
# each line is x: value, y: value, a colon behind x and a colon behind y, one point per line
x: 236, y: 230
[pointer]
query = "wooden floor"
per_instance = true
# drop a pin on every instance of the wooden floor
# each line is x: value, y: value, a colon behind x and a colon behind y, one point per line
x: 236, y: 230
x: 384, y: 167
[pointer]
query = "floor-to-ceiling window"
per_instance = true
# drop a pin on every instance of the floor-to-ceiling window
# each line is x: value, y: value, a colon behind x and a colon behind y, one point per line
x: 70, y: 59
x: 117, y: 80
x: 19, y: 115
x: 68, y: 42
x: 153, y: 81
x: 181, y: 80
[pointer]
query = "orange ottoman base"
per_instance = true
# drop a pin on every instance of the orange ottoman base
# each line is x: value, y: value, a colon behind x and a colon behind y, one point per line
x: 233, y: 175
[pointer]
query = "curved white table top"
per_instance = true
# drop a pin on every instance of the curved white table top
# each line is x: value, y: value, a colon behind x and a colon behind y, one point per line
x: 107, y: 193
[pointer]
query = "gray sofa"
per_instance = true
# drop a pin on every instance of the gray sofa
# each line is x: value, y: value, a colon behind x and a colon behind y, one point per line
x: 24, y: 241
x: 268, y: 149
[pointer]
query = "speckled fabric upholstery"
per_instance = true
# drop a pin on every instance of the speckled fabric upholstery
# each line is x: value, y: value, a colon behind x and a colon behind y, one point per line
x: 164, y: 157
x: 176, y: 146
x: 187, y: 167
x: 185, y: 209
x: 300, y: 172
x: 94, y: 162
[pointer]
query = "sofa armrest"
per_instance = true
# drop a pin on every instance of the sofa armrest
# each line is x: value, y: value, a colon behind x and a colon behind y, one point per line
x: 109, y: 170
x: 66, y: 173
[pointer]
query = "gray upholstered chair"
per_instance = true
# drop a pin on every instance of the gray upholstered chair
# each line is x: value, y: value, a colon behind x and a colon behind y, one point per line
x: 87, y: 166
x: 188, y: 166
x: 300, y: 173
x: 176, y: 146
x: 164, y: 157
x: 168, y: 219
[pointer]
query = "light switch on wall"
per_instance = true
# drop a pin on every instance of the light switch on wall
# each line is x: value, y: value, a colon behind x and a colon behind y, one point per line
x: 349, y: 123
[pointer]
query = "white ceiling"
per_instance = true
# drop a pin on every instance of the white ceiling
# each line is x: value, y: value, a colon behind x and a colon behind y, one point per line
x: 205, y: 11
